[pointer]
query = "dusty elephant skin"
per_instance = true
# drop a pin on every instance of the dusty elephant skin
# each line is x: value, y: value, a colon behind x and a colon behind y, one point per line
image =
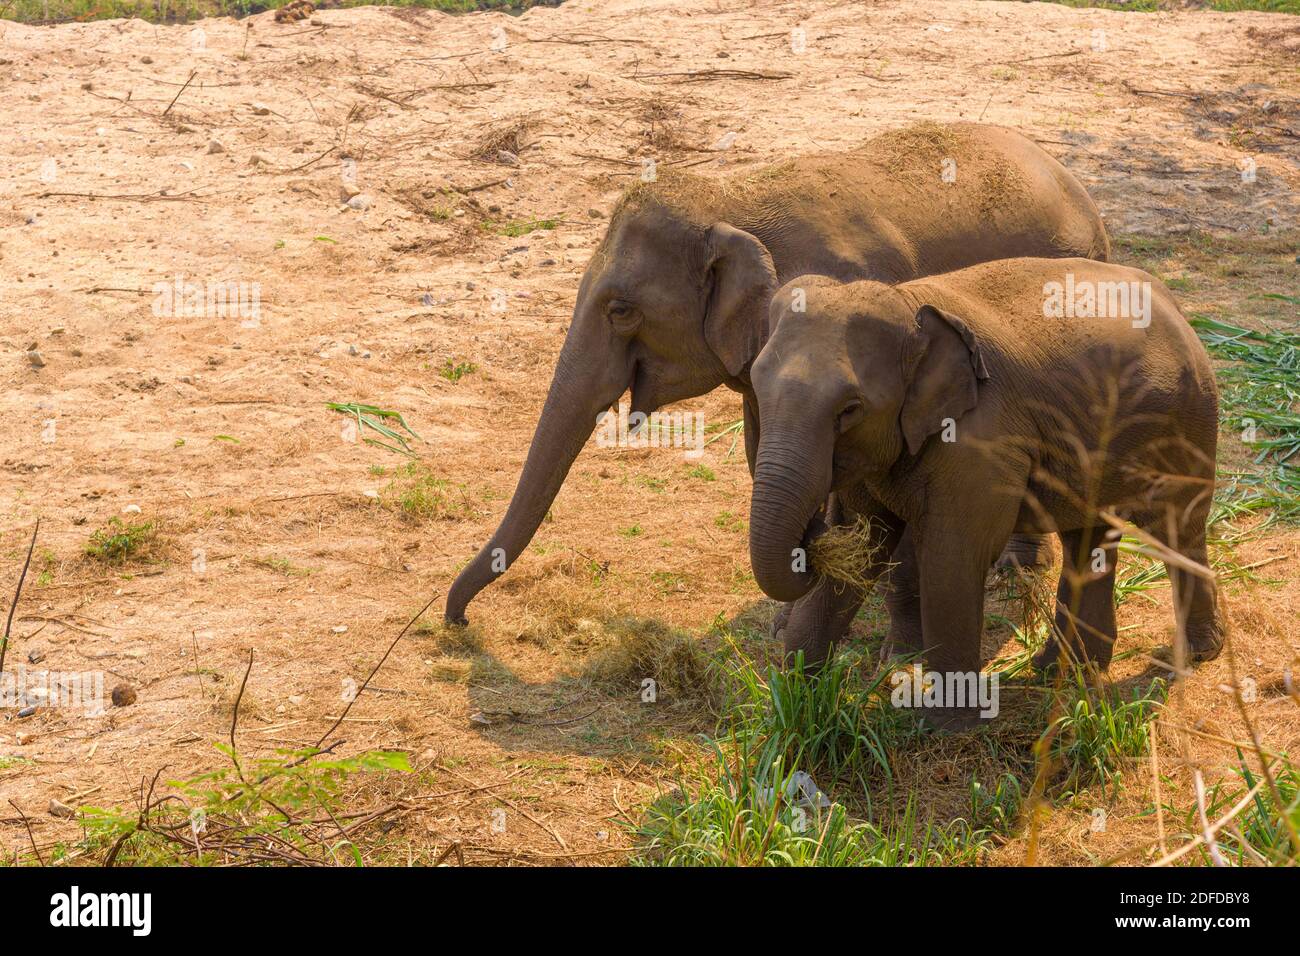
x: 674, y: 301
x: 989, y: 401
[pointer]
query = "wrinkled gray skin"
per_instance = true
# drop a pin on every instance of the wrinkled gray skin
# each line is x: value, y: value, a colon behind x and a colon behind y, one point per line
x: 674, y: 301
x: 1049, y: 421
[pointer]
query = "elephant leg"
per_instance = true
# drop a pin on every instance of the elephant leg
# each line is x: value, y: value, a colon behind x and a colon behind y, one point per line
x: 903, y: 600
x: 1084, y: 627
x: 815, y: 622
x: 1030, y: 552
x: 953, y: 560
x: 1195, y: 599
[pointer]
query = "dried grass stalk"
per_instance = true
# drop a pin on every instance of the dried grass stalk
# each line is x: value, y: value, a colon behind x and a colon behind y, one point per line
x: 850, y: 554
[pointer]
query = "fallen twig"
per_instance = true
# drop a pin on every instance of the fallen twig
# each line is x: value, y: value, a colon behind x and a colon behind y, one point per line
x: 701, y: 76
x: 193, y: 73
x: 9, y: 621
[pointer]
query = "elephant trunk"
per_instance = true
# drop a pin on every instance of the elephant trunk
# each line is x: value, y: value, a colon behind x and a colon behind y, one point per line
x: 567, y: 421
x: 791, y: 485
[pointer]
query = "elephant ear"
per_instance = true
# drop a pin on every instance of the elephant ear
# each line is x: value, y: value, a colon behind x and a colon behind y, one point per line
x: 743, y: 279
x: 944, y: 366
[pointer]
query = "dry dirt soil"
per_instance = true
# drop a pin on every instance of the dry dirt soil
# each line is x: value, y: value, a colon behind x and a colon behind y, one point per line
x: 133, y: 154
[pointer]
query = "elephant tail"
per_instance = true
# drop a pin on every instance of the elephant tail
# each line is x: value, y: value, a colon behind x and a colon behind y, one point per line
x: 1101, y: 244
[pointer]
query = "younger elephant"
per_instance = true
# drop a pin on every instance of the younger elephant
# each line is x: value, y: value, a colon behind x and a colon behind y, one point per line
x: 1024, y: 395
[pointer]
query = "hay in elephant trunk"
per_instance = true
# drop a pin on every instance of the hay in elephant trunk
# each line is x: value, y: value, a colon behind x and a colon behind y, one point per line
x: 850, y: 554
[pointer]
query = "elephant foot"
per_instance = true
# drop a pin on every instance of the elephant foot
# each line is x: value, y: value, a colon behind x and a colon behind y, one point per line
x: 1204, y: 640
x: 902, y: 644
x: 1206, y: 651
x: 1026, y: 552
x: 1050, y: 656
x: 949, y: 720
x: 1198, y: 651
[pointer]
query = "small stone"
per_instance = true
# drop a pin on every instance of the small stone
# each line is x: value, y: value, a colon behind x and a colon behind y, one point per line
x: 36, y: 359
x: 296, y: 699
x: 352, y: 350
x: 347, y: 191
x: 123, y: 695
x: 260, y: 109
x: 22, y: 737
x: 340, y: 629
x: 35, y: 656
x: 257, y: 159
x: 60, y: 809
x: 506, y: 157
x: 146, y: 59
x: 359, y: 201
x: 131, y: 510
x: 214, y: 146
x: 26, y: 712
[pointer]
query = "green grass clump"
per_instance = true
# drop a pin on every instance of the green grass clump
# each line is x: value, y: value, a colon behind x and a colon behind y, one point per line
x: 455, y: 371
x: 740, y: 815
x: 998, y: 807
x: 415, y: 491
x: 120, y: 541
x: 837, y: 723
x: 1260, y: 400
x: 1262, y: 833
x: 1099, y: 734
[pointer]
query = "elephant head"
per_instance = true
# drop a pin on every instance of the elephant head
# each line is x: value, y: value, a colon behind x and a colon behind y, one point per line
x: 672, y: 305
x: 852, y: 378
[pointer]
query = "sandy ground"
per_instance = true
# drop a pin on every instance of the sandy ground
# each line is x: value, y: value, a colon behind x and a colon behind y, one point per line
x: 215, y: 427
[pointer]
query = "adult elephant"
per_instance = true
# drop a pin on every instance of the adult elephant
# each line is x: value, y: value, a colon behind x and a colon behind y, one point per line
x: 674, y: 301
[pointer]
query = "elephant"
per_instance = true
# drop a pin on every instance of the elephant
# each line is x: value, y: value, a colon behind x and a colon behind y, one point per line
x: 1027, y: 395
x: 673, y: 302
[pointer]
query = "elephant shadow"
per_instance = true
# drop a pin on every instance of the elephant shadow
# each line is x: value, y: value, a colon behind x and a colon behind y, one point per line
x: 644, y: 683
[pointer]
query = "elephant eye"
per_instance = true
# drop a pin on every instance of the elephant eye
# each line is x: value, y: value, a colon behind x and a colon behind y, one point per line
x: 849, y: 415
x: 623, y: 316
